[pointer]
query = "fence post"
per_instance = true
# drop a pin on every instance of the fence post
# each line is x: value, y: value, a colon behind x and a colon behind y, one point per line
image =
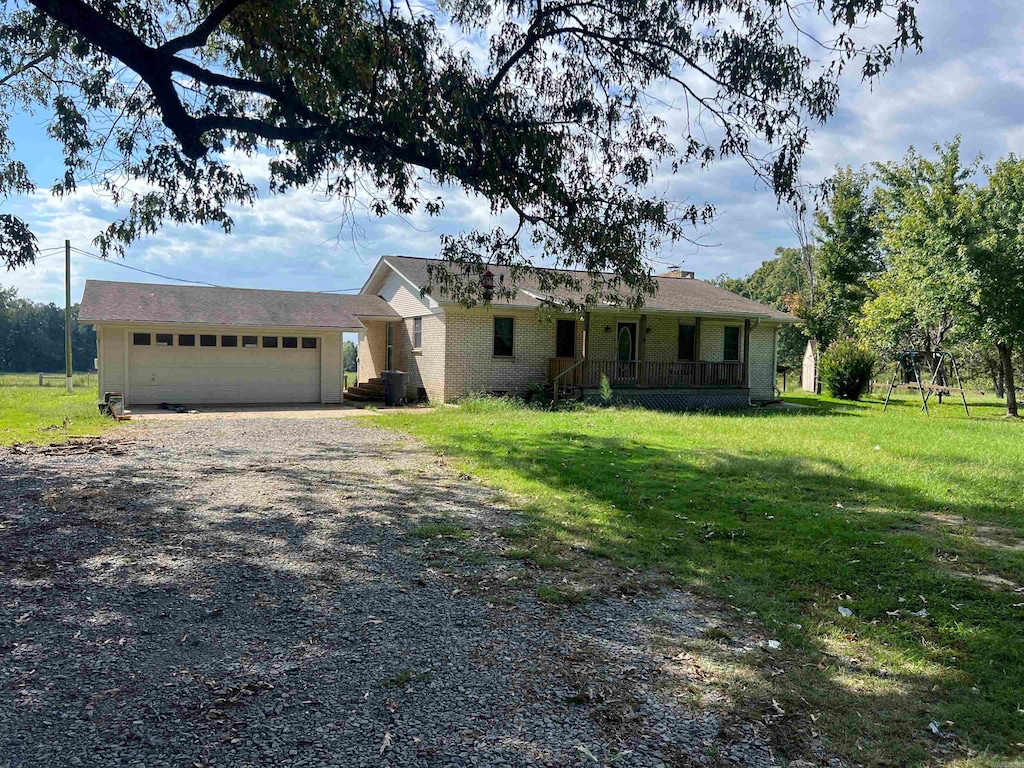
x: 40, y: 379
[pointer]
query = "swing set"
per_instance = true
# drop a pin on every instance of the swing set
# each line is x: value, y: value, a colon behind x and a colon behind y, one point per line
x: 939, y: 383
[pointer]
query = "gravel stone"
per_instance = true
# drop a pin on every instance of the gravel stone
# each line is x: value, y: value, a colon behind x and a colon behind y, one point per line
x: 236, y: 592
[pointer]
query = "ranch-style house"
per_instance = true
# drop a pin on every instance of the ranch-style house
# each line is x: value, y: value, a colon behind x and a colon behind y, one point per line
x: 693, y: 345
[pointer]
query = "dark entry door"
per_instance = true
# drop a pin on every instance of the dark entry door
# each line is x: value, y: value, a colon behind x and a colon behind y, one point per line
x: 625, y: 352
x: 565, y: 338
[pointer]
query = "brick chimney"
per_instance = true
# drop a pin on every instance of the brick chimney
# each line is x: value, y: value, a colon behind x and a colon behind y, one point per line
x: 677, y: 273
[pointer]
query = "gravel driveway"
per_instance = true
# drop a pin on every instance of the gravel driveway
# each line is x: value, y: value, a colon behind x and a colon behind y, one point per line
x: 315, y: 592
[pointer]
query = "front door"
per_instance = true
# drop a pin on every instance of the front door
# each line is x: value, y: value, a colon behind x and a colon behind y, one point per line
x: 389, y: 363
x: 625, y: 353
x: 565, y: 338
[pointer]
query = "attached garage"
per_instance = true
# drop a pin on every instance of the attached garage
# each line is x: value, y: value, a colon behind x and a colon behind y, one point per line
x: 226, y: 370
x: 183, y: 344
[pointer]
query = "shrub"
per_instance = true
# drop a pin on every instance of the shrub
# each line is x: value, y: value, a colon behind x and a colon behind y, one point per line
x: 606, y: 390
x: 845, y: 369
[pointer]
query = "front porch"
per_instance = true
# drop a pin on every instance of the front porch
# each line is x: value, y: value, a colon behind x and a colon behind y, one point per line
x: 660, y: 361
x: 588, y: 374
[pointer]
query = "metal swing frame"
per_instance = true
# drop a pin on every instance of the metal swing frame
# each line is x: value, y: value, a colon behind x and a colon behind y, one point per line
x: 908, y: 362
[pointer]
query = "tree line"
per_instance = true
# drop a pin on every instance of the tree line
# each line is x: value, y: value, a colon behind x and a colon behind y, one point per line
x: 925, y: 253
x: 32, y: 336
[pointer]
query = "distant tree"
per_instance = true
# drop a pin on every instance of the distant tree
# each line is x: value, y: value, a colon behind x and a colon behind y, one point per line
x: 350, y: 354
x: 552, y: 123
x: 777, y: 282
x: 32, y: 336
x: 927, y: 221
x: 998, y: 267
x: 847, y: 255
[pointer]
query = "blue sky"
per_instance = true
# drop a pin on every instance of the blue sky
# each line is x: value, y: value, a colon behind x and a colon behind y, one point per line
x: 969, y: 80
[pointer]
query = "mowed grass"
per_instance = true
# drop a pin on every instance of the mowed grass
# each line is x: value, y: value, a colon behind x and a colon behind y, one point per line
x: 912, y: 523
x: 48, y: 414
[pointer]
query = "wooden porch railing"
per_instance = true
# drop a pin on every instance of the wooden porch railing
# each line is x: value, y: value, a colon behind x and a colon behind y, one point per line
x: 588, y: 373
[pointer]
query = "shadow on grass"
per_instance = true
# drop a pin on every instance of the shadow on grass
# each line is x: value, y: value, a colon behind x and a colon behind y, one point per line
x: 791, y: 537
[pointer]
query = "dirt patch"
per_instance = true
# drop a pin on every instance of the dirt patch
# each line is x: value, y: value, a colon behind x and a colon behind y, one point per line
x: 982, y: 535
x: 990, y: 580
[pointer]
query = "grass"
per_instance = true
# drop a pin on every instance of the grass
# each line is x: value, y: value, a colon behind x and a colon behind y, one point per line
x: 33, y: 414
x: 404, y: 677
x: 438, y: 528
x: 350, y: 378
x: 913, y: 523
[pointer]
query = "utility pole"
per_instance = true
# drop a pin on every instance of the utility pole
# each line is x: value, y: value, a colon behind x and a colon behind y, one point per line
x: 69, y: 378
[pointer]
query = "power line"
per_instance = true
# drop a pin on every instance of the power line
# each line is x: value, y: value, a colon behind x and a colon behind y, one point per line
x: 97, y: 257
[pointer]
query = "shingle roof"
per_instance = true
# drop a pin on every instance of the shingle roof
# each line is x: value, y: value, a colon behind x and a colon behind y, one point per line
x: 106, y: 301
x: 674, y: 294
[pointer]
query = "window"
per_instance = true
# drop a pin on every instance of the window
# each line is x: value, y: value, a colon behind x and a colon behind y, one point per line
x: 207, y: 340
x: 140, y: 339
x: 289, y: 342
x: 417, y: 332
x: 186, y: 339
x: 270, y: 342
x: 504, y: 332
x: 165, y: 339
x: 731, y: 353
x: 565, y: 338
x: 309, y: 342
x: 250, y: 341
x: 687, y: 337
x: 229, y: 341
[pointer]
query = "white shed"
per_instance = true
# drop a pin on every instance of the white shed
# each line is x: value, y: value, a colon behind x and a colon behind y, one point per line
x: 809, y: 373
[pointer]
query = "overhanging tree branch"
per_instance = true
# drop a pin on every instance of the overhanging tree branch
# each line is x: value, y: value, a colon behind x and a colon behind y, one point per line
x: 198, y: 36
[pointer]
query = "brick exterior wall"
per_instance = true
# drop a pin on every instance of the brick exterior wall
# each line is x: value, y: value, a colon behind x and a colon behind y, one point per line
x: 426, y: 365
x: 762, y: 362
x: 470, y: 365
x: 372, y: 350
x: 456, y: 358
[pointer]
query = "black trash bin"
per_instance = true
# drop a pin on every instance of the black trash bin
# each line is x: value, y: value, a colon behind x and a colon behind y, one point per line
x: 394, y: 387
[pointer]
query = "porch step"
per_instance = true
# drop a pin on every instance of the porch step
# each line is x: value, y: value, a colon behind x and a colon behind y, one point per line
x: 362, y: 395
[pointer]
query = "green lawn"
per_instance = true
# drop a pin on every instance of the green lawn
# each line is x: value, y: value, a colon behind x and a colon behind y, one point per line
x: 47, y: 414
x: 913, y: 523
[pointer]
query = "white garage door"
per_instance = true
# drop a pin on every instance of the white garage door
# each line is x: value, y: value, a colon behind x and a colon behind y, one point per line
x: 198, y: 374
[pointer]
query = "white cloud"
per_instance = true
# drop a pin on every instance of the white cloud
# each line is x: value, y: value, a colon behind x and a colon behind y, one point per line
x: 969, y: 80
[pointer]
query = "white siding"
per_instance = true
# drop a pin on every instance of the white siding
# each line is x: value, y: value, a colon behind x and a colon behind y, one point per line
x: 111, y: 359
x: 809, y: 373
x: 404, y: 298
x: 333, y: 380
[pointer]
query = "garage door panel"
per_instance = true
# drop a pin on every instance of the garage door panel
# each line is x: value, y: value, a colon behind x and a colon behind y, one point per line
x: 151, y: 394
x: 223, y: 375
x: 186, y: 376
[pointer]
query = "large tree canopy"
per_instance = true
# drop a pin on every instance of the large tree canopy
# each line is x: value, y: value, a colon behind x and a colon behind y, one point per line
x: 554, y: 120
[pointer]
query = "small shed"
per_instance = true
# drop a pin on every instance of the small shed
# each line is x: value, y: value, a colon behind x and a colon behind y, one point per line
x: 809, y: 374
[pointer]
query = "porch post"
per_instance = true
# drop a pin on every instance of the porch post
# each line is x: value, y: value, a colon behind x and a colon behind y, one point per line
x: 585, y: 373
x: 746, y: 354
x: 697, y: 356
x: 641, y: 350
